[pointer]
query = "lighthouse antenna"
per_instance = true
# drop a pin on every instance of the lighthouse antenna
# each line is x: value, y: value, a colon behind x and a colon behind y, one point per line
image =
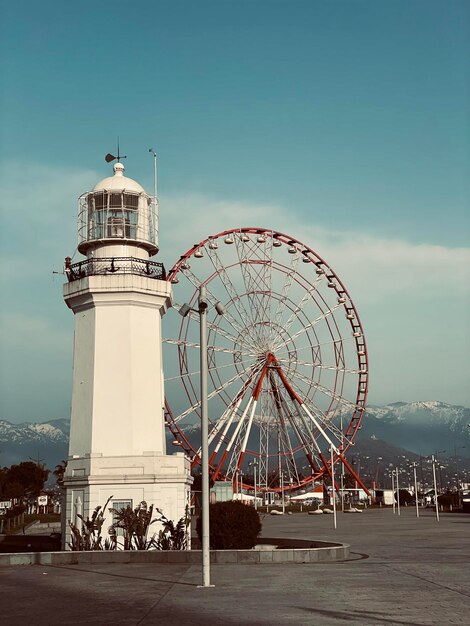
x: 154, y: 175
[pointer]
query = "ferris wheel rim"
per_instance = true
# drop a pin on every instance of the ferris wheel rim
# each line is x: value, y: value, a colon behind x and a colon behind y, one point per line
x: 359, y: 404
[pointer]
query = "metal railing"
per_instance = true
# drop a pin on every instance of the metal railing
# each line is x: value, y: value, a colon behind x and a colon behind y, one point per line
x: 115, y: 265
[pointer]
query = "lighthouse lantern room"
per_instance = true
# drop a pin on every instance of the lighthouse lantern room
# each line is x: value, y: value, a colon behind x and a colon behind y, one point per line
x: 117, y: 213
x: 118, y: 297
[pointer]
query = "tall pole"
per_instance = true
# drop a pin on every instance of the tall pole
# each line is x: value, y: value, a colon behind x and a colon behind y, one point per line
x: 433, y: 460
x: 255, y: 465
x: 333, y: 495
x: 416, y: 489
x: 393, y: 490
x: 204, y: 439
x: 154, y: 174
x: 398, y: 494
x: 342, y: 467
x: 282, y: 493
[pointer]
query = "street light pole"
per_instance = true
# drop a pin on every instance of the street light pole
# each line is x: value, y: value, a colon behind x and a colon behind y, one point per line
x: 333, y: 494
x: 255, y: 465
x: 433, y: 461
x: 282, y: 493
x: 205, y: 495
x: 398, y: 494
x: 206, y: 581
x: 413, y: 465
x: 392, y: 475
x: 342, y: 466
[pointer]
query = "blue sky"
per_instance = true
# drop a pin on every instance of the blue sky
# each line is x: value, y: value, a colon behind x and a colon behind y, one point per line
x: 343, y: 123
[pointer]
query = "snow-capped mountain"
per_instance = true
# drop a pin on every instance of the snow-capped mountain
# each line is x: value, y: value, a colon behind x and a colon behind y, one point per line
x: 47, y: 441
x: 422, y: 427
x: 419, y: 427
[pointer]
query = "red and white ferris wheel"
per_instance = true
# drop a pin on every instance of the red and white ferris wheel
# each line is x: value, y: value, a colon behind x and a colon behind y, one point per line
x: 288, y: 366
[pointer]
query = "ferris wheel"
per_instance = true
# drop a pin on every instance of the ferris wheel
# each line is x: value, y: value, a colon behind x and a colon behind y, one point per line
x: 288, y: 367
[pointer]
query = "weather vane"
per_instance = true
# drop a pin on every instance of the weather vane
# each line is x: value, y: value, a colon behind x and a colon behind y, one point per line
x: 110, y: 157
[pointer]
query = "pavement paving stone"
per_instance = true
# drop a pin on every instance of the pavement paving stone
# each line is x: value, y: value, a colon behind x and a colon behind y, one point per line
x: 402, y: 571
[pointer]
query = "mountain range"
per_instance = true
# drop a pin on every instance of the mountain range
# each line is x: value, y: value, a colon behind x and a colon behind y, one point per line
x: 421, y: 427
x: 396, y: 430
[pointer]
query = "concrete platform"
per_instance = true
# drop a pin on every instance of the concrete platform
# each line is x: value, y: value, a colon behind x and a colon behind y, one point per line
x: 401, y: 570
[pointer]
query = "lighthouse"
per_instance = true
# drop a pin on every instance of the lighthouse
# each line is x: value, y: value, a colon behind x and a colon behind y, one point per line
x: 118, y: 296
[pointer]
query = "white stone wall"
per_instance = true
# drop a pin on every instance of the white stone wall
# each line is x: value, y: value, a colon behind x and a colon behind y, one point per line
x: 117, y: 437
x: 162, y: 480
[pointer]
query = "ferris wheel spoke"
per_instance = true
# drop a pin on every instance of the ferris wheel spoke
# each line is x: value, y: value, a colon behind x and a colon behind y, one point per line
x: 322, y: 430
x: 309, y: 326
x: 340, y: 402
x: 197, y: 346
x: 215, y: 392
x: 221, y: 427
x: 249, y: 271
x: 251, y: 405
x: 306, y: 299
x: 284, y: 436
x: 323, y: 418
x: 197, y: 282
x: 320, y: 366
x: 288, y: 281
x: 304, y: 437
x: 229, y: 287
x: 188, y: 374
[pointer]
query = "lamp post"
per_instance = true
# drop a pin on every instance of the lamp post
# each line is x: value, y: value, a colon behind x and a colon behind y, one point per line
x: 393, y: 490
x: 282, y: 493
x: 342, y: 466
x: 457, y: 467
x: 414, y: 465
x: 398, y: 493
x: 433, y: 461
x: 333, y: 494
x: 202, y: 310
x: 255, y: 465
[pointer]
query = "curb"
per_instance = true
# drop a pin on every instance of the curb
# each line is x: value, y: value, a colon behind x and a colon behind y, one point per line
x: 299, y: 551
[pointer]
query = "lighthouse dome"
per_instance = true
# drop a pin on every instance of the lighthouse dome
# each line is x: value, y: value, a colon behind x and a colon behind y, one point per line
x: 115, y: 216
x: 118, y: 182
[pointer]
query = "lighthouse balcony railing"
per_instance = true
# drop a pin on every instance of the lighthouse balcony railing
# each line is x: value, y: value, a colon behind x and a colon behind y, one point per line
x: 115, y: 265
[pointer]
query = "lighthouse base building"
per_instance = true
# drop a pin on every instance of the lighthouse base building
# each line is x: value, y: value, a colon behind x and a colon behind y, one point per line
x: 118, y: 296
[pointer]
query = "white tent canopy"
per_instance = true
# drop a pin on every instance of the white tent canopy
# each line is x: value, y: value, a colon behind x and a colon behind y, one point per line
x: 309, y: 495
x: 245, y: 496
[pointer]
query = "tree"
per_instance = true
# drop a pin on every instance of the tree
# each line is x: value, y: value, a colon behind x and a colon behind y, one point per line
x: 59, y: 473
x: 25, y: 480
x: 349, y: 481
x: 405, y: 497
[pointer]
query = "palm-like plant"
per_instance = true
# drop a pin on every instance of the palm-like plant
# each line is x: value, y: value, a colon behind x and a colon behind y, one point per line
x: 59, y: 472
x: 173, y: 536
x: 135, y: 524
x: 89, y: 536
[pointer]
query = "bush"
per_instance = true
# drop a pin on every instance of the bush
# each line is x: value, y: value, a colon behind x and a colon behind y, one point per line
x: 233, y: 526
x: 405, y: 497
x: 449, y: 500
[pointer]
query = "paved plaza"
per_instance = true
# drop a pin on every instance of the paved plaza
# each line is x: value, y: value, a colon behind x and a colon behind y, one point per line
x: 402, y: 570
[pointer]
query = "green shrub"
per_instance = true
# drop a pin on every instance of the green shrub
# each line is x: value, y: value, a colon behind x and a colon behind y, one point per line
x: 448, y: 500
x: 405, y: 497
x: 233, y: 526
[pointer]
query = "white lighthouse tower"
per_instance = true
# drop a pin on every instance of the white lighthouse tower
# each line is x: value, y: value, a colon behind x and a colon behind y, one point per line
x: 119, y: 296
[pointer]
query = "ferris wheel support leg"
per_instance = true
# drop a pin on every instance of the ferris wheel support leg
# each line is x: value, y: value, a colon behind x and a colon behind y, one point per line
x: 247, y: 434
x: 352, y: 472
